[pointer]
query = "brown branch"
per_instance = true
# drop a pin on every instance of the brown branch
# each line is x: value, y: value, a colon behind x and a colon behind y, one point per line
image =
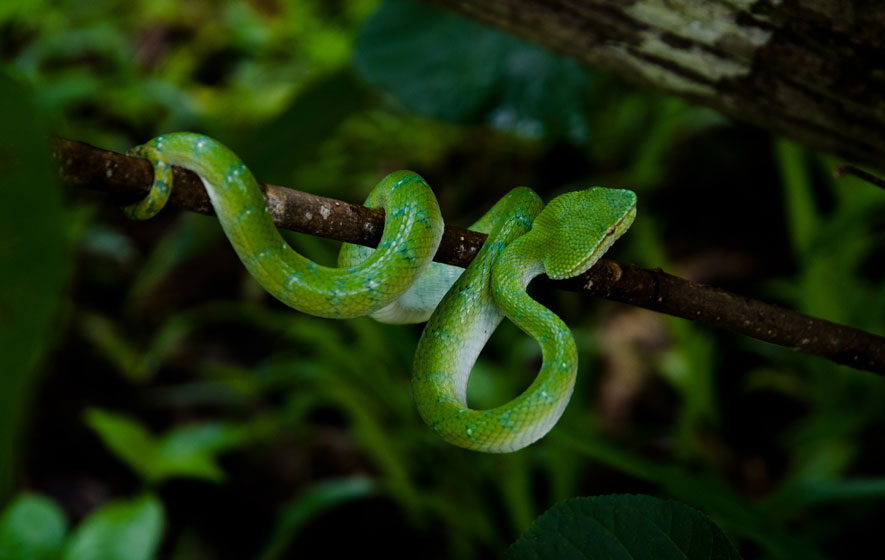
x: 843, y: 170
x: 128, y: 179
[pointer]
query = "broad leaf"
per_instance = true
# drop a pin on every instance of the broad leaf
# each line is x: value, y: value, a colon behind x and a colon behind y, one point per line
x: 31, y: 528
x: 482, y: 74
x: 623, y: 528
x: 119, y: 530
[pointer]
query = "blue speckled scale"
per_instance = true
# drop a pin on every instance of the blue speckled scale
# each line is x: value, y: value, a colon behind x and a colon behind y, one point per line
x: 397, y: 283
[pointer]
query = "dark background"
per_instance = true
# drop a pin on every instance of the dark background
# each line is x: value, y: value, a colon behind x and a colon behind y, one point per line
x: 145, y: 368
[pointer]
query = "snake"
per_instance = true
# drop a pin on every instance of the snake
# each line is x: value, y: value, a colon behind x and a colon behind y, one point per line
x: 397, y: 282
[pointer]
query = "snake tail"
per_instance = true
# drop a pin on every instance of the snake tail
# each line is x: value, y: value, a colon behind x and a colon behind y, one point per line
x: 412, y: 230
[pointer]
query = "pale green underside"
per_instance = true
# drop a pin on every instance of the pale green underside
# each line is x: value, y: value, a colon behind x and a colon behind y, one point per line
x: 398, y: 283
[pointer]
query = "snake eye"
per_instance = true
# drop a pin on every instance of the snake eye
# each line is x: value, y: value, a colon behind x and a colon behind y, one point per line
x: 580, y: 226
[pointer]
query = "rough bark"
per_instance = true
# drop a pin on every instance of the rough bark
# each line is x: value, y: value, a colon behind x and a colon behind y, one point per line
x: 813, y: 70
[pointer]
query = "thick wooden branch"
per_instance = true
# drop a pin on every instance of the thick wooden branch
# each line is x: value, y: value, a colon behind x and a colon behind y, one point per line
x: 813, y: 70
x: 128, y: 179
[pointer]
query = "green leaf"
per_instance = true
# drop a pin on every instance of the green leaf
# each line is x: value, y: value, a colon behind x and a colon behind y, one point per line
x: 482, y: 74
x: 623, y: 527
x: 737, y: 514
x: 131, y: 442
x: 119, y: 530
x: 803, y: 219
x: 34, y: 243
x: 188, y: 451
x: 32, y: 527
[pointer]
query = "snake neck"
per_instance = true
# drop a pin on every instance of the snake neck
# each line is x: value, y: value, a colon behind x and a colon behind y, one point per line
x: 518, y: 265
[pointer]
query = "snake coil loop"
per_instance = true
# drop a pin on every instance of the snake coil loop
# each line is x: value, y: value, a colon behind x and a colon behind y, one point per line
x: 398, y: 283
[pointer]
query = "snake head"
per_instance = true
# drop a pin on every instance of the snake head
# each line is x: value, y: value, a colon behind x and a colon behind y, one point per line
x: 579, y: 227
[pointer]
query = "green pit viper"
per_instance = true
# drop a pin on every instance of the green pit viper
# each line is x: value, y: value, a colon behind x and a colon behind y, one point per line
x: 398, y: 283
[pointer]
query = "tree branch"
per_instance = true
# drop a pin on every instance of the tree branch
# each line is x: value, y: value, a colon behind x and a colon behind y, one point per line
x: 813, y: 70
x: 128, y: 179
x: 843, y: 170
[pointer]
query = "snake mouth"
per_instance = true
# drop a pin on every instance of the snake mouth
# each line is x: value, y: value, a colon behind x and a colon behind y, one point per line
x: 611, y: 235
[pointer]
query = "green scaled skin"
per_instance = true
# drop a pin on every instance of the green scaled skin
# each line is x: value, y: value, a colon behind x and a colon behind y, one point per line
x: 411, y: 235
x: 398, y: 283
x: 563, y: 240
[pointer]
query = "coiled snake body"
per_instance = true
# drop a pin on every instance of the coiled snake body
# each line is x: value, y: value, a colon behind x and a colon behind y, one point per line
x: 397, y: 282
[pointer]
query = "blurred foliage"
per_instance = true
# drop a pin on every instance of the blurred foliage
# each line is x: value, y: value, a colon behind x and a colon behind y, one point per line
x: 498, y: 79
x: 34, y: 247
x: 187, y: 451
x: 33, y: 527
x: 180, y: 408
x: 119, y: 529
